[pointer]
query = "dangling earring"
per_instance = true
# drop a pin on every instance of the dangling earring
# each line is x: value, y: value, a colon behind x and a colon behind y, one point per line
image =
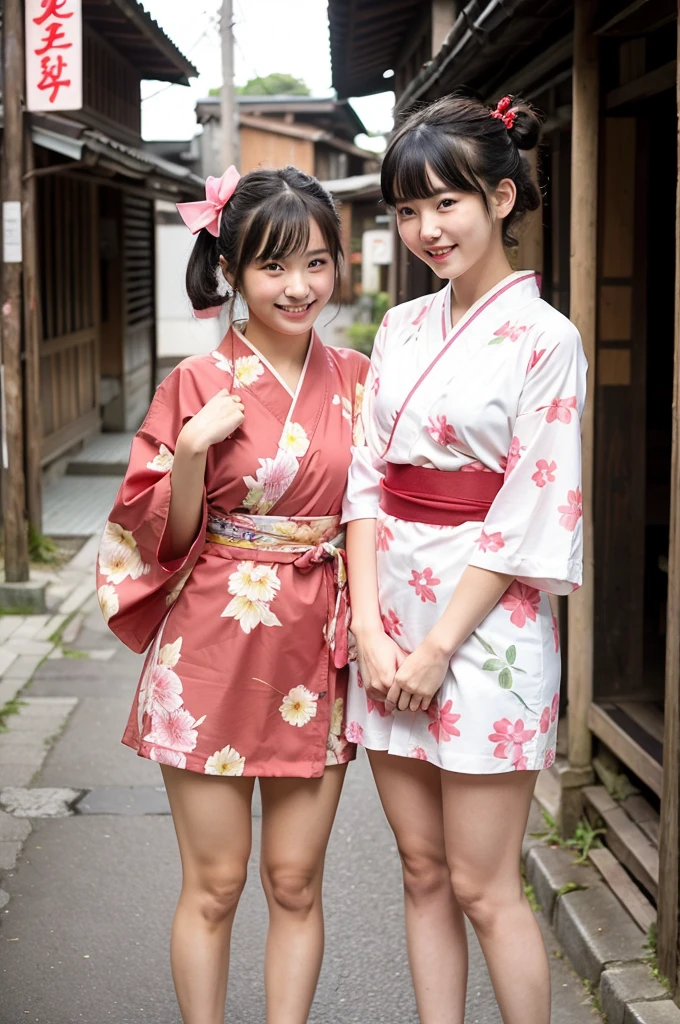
x: 239, y: 313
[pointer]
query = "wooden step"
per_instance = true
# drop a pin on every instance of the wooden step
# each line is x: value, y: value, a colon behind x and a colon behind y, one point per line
x: 624, y: 888
x: 644, y: 816
x: 626, y: 841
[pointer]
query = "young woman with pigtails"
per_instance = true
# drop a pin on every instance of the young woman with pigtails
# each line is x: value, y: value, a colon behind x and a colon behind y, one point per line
x: 224, y: 551
x: 464, y: 516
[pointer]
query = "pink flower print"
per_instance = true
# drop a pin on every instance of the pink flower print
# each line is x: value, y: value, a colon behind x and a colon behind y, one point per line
x: 513, y: 457
x: 376, y: 386
x: 441, y: 431
x: 511, y: 333
x: 560, y: 410
x: 418, y: 752
x: 420, y: 317
x: 164, y: 690
x: 555, y: 707
x: 572, y: 511
x: 376, y: 705
x: 549, y: 759
x: 556, y: 633
x: 383, y: 535
x: 521, y: 764
x: 490, y: 541
x: 392, y: 623
x: 171, y: 757
x: 510, y: 738
x: 173, y: 729
x: 354, y: 732
x: 545, y: 720
x: 423, y: 582
x: 443, y: 724
x: 545, y: 473
x: 475, y: 467
x: 535, y: 356
x: 522, y: 601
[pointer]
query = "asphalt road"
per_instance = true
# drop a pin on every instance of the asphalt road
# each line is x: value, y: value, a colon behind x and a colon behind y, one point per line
x: 84, y: 937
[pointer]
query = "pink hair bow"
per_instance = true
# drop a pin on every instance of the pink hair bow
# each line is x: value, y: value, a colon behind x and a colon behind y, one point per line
x: 207, y: 212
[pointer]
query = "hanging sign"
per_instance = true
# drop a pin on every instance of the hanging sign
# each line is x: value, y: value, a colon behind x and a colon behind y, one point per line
x: 11, y: 232
x: 54, y: 55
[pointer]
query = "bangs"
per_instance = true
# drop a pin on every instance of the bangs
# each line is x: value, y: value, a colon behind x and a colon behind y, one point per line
x: 280, y: 228
x: 418, y: 155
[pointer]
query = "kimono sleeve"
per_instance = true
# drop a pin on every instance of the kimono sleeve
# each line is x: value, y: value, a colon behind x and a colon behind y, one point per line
x: 135, y: 586
x: 367, y: 469
x: 534, y: 528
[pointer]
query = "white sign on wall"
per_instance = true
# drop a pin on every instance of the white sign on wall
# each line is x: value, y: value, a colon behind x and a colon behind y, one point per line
x: 54, y: 55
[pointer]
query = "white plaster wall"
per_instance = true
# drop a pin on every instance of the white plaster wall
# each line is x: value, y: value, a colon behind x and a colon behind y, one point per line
x: 179, y: 333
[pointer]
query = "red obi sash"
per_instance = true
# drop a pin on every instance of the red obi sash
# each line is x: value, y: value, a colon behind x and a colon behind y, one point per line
x: 436, y: 497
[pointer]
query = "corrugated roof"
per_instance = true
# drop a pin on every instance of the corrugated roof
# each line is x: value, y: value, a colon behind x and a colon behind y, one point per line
x: 366, y: 40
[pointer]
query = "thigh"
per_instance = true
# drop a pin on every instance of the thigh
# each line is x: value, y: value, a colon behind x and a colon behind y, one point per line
x: 297, y: 818
x: 411, y: 795
x: 212, y: 817
x: 485, y: 817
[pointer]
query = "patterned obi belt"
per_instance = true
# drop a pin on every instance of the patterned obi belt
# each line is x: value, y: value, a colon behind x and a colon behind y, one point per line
x: 436, y: 497
x: 303, y: 541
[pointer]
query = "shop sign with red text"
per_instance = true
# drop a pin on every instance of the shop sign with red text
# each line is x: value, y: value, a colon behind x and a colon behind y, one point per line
x: 54, y: 54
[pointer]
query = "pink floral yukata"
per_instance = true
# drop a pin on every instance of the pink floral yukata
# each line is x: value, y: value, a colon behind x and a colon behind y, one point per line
x: 247, y: 673
x: 501, y: 392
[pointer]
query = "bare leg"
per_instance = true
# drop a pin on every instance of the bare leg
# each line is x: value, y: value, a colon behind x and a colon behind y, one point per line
x: 297, y: 818
x: 484, y: 820
x: 410, y: 791
x: 213, y: 825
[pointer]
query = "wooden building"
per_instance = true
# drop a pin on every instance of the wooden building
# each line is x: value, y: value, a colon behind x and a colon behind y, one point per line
x: 604, y: 72
x: 89, y: 340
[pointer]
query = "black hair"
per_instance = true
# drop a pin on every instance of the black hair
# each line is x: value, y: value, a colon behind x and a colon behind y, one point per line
x: 267, y: 218
x: 457, y: 139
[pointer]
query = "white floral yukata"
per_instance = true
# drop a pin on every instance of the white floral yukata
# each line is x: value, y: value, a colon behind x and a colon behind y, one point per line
x: 500, y: 392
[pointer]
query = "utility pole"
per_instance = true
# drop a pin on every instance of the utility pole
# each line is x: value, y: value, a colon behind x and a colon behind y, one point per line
x: 14, y: 485
x: 230, y: 154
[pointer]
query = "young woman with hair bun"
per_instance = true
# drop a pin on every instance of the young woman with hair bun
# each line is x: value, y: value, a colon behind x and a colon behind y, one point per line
x: 464, y: 516
x: 224, y: 551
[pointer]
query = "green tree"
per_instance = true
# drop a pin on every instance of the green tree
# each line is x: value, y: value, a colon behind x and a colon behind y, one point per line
x: 274, y: 85
x: 271, y: 85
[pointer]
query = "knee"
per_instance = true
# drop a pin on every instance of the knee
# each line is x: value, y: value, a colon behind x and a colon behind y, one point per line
x: 425, y: 874
x: 480, y: 903
x: 218, y: 895
x: 291, y: 889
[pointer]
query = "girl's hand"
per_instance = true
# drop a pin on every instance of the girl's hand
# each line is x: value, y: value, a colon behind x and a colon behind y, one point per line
x: 418, y: 679
x: 379, y: 658
x: 217, y: 420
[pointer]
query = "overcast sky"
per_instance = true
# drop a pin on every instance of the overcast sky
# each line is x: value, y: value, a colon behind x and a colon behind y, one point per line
x: 289, y: 36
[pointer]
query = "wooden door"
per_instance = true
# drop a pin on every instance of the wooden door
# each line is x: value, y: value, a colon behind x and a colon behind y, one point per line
x: 69, y: 349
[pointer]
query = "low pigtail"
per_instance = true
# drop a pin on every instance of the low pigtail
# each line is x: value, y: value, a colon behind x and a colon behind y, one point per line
x: 202, y: 271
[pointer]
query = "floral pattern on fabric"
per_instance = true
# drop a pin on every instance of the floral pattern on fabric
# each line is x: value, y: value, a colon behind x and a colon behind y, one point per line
x: 514, y: 407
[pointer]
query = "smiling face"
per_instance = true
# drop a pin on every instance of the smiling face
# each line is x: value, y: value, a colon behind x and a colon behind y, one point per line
x: 453, y: 231
x: 286, y: 295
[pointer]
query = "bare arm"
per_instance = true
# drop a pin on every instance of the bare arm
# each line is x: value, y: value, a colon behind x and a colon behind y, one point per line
x: 422, y: 673
x: 378, y: 655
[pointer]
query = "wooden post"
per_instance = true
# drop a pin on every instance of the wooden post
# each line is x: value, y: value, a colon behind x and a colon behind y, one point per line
x: 14, y: 489
x: 583, y: 263
x: 228, y: 127
x: 33, y: 329
x: 668, y: 933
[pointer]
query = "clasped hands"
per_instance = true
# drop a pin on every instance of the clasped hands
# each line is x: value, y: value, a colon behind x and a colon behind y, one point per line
x: 408, y: 682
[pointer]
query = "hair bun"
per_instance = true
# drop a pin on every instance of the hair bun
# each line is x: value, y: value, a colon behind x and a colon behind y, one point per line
x: 526, y: 128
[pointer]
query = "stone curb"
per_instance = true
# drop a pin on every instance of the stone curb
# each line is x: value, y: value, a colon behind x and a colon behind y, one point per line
x: 603, y: 943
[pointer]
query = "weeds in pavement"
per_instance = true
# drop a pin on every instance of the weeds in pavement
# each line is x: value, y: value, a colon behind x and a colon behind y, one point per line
x: 12, y: 707
x: 42, y: 550
x: 594, y: 994
x: 584, y: 839
x: 570, y: 887
x: 72, y: 652
x: 653, y: 958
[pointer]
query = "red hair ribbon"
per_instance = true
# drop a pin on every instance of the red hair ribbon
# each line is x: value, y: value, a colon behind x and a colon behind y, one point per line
x: 504, y: 113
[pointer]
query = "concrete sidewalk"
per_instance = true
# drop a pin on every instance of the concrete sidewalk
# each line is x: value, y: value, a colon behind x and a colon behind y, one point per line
x: 88, y: 897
